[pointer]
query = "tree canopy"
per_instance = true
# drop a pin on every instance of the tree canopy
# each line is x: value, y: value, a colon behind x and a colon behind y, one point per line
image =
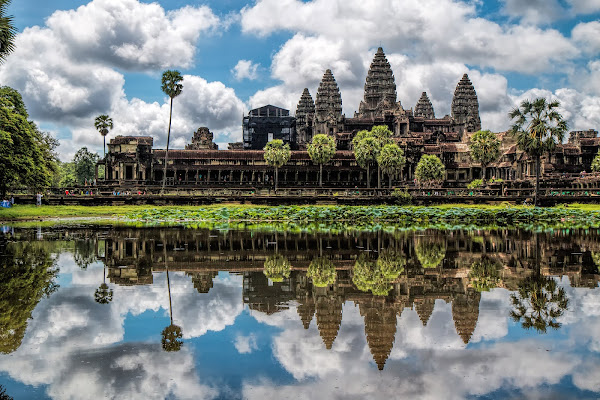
x: 391, y: 160
x: 322, y: 272
x: 596, y: 163
x: 7, y: 31
x: 85, y: 165
x: 430, y: 251
x: 27, y: 273
x: 376, y: 276
x: 321, y: 150
x: 172, y: 87
x: 368, y: 144
x: 430, y: 170
x: 484, y: 274
x: 538, y: 127
x: 277, y: 267
x: 171, y: 338
x: 276, y: 155
x: 485, y: 148
x: 27, y: 156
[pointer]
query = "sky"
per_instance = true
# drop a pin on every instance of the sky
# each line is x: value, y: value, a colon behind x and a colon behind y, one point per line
x: 77, y: 59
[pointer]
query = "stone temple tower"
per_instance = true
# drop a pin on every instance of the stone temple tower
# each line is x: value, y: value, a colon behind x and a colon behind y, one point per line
x: 305, y: 114
x: 328, y: 106
x: 380, y: 88
x: 465, y: 107
x: 424, y: 108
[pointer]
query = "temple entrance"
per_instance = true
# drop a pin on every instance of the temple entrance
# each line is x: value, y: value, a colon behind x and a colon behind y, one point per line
x: 128, y: 172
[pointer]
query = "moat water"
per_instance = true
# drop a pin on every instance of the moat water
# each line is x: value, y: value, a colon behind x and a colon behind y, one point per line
x: 155, y: 313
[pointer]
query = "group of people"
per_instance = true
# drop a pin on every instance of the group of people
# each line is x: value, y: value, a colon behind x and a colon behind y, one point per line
x: 7, y: 203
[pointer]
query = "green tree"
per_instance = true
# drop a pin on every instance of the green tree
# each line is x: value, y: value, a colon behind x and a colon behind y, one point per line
x: 391, y: 160
x: 7, y: 31
x: 430, y: 251
x: 538, y: 303
x: 538, y: 127
x: 277, y: 267
x: 172, y: 87
x: 65, y: 176
x: 85, y: 165
x: 321, y: 150
x: 103, y: 124
x: 376, y: 276
x: 430, y: 170
x: 484, y: 274
x: 27, y: 273
x: 276, y: 155
x: 365, y: 152
x: 322, y: 272
x: 485, y: 149
x: 171, y: 336
x: 596, y: 163
x: 27, y: 156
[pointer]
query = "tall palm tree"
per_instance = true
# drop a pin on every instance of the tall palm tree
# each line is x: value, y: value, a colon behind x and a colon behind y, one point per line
x: 7, y: 31
x: 172, y: 87
x: 538, y: 127
x: 103, y: 124
x: 171, y: 336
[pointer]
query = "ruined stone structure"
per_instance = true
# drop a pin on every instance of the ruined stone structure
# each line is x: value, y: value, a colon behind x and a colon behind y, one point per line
x: 132, y: 161
x: 202, y: 140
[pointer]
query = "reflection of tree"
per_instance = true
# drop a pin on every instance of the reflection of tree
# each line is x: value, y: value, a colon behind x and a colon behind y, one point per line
x: 376, y: 276
x: 596, y: 258
x: 172, y: 334
x: 27, y: 272
x: 322, y: 272
x: 85, y: 253
x: 485, y: 274
x: 3, y: 395
x: 430, y: 252
x: 103, y: 294
x: 538, y: 303
x: 539, y: 300
x: 277, y: 267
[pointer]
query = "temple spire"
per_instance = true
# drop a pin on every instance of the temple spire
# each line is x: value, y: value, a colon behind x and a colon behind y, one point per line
x: 380, y: 88
x: 328, y: 106
x: 424, y: 108
x: 305, y: 114
x: 465, y: 107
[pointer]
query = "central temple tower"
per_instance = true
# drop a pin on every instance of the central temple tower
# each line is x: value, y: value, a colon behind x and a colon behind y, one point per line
x: 380, y: 88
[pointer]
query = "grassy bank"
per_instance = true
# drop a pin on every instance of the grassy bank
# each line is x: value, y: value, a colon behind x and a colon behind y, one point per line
x: 328, y: 217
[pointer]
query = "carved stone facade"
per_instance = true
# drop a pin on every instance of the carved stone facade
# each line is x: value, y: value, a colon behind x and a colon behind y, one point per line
x: 380, y: 88
x: 202, y: 140
x: 328, y: 106
x: 465, y: 107
x: 424, y: 108
x: 305, y: 115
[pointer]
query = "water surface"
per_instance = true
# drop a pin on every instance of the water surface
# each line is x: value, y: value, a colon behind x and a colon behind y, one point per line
x: 109, y: 312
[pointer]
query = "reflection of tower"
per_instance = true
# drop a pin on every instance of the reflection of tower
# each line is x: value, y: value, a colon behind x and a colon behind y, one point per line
x: 465, y: 312
x: 329, y: 314
x: 203, y: 281
x: 306, y: 303
x: 263, y: 297
x: 380, y: 328
x: 424, y: 308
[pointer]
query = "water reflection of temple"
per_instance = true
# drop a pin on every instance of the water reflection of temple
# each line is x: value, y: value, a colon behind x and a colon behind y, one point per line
x: 435, y: 267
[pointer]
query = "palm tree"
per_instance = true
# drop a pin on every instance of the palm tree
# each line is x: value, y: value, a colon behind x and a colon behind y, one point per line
x: 103, y: 124
x: 538, y: 126
x: 391, y: 160
x: 172, y: 334
x: 7, y: 31
x: 103, y: 294
x: 321, y: 150
x: 172, y: 87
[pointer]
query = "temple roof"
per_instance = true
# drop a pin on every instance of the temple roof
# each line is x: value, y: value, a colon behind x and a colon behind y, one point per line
x: 329, y: 99
x: 424, y: 108
x: 380, y: 87
x: 465, y: 106
x: 132, y: 140
x: 239, y: 155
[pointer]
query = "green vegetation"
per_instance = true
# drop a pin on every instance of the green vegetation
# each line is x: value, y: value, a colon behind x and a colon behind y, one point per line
x: 321, y: 271
x: 596, y: 163
x: 430, y: 170
x: 172, y: 87
x: 538, y: 127
x: 277, y: 267
x: 367, y: 146
x: 321, y: 150
x: 376, y: 276
x: 27, y: 273
x: 475, y: 184
x: 276, y: 155
x: 402, y: 197
x: 7, y: 31
x: 391, y: 160
x: 430, y: 252
x: 27, y: 157
x: 485, y: 274
x: 171, y: 338
x: 485, y: 148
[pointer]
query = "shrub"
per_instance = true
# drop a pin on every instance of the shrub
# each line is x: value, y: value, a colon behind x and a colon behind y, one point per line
x: 402, y: 197
x: 476, y: 183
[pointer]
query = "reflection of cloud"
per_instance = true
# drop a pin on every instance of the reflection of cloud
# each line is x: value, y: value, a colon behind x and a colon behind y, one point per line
x: 245, y: 344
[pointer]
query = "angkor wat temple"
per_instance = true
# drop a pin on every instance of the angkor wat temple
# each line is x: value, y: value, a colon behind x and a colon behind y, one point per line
x: 131, y: 160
